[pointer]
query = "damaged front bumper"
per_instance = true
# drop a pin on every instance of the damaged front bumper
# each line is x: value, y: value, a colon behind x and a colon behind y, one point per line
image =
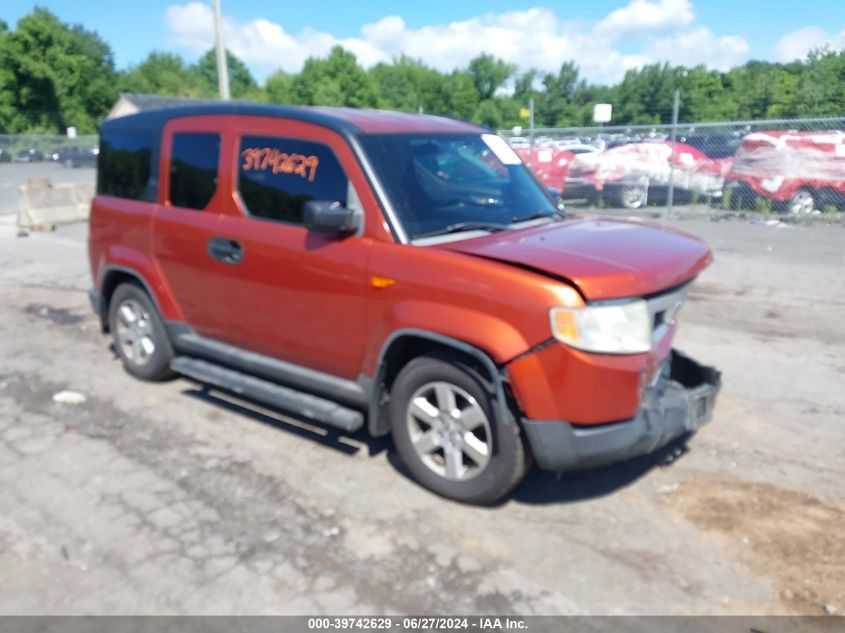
x: 679, y: 400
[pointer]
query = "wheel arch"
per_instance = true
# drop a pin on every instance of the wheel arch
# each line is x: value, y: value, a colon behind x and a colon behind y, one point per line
x: 404, y: 345
x: 113, y: 276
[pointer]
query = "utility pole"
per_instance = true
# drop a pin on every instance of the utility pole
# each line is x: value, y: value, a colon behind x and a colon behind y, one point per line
x: 670, y: 198
x: 222, y: 66
x: 531, y: 126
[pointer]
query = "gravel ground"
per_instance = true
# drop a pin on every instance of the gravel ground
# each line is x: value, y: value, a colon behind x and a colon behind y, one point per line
x: 164, y: 499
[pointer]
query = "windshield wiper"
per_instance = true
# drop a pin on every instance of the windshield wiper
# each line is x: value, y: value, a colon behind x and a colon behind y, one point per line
x: 459, y: 227
x: 537, y: 216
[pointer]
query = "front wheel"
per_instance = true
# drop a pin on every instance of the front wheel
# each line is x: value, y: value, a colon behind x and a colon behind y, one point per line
x: 445, y: 431
x: 802, y: 203
x: 633, y: 196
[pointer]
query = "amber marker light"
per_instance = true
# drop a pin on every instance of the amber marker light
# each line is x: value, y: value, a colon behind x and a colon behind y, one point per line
x: 565, y: 325
x: 381, y: 282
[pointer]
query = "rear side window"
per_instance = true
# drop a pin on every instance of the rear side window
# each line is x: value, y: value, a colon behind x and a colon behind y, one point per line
x: 277, y: 176
x: 124, y: 164
x: 193, y: 169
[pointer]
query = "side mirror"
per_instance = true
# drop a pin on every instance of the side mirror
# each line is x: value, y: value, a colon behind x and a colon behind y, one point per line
x: 330, y: 218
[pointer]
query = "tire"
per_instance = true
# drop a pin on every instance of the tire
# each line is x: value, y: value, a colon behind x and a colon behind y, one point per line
x: 140, y: 339
x: 436, y: 447
x: 802, y: 203
x: 632, y: 196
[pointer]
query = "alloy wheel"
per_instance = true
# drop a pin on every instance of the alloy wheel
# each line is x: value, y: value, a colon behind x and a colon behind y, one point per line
x: 449, y: 431
x: 135, y: 333
x: 802, y: 204
x: 633, y: 197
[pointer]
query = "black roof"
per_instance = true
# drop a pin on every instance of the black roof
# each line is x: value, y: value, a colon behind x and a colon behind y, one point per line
x: 346, y: 121
x: 155, y: 119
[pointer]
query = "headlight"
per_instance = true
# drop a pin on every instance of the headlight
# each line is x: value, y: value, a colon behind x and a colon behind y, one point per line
x: 620, y: 328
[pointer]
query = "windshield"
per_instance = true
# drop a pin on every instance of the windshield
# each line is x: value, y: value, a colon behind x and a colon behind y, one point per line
x: 442, y: 183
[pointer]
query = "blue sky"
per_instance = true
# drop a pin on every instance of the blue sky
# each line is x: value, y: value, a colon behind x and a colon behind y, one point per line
x: 605, y: 37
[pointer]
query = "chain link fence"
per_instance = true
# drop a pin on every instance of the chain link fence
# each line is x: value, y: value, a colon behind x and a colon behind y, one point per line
x: 61, y: 168
x: 792, y: 166
x: 37, y: 148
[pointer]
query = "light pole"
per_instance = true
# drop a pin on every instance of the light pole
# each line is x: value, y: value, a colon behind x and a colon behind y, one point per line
x: 222, y: 66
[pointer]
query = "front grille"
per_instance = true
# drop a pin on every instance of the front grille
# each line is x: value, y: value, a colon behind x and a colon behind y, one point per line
x: 663, y: 310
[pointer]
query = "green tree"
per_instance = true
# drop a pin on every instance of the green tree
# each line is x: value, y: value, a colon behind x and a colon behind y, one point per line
x: 705, y: 97
x: 337, y: 80
x: 556, y: 104
x: 158, y: 74
x: 761, y: 89
x: 462, y: 95
x: 407, y: 84
x: 820, y: 89
x: 489, y: 74
x: 202, y: 77
x: 488, y: 113
x: 54, y: 75
x: 279, y: 87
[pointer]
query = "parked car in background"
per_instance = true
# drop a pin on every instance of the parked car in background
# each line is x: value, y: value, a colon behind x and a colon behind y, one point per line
x: 798, y: 172
x: 576, y: 148
x: 549, y: 164
x: 76, y: 156
x: 713, y: 145
x: 628, y: 175
x: 5, y: 155
x: 30, y: 155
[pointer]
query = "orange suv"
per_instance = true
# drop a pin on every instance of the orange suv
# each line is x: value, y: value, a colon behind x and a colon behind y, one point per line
x: 399, y: 272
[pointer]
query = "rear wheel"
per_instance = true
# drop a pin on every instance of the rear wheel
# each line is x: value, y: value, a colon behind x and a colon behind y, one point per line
x: 138, y: 332
x: 445, y: 431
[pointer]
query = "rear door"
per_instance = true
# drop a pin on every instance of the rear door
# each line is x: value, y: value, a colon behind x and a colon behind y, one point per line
x: 187, y: 217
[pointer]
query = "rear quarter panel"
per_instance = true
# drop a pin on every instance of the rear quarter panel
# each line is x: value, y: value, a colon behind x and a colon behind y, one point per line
x: 120, y: 237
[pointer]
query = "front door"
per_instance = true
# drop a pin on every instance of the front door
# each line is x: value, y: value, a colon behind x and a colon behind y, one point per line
x: 293, y: 295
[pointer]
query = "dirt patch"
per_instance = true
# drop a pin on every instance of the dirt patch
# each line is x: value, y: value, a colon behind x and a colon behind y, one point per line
x: 791, y: 537
x: 59, y: 316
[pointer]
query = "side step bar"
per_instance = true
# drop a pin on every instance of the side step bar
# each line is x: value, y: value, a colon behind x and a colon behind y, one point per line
x: 307, y: 405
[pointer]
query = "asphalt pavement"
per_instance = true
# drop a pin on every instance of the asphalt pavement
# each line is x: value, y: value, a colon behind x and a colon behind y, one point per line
x: 170, y: 499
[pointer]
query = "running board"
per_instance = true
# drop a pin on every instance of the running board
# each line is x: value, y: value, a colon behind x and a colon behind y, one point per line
x: 304, y: 404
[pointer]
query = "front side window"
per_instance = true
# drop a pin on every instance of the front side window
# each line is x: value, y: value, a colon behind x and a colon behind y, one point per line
x: 193, y: 169
x: 442, y: 183
x: 277, y: 176
x: 124, y: 164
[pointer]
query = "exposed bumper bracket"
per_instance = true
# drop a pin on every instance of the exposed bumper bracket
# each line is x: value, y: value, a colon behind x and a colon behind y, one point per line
x: 680, y: 400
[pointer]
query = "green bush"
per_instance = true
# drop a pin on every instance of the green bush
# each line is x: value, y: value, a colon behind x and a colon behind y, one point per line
x: 762, y: 205
x: 726, y: 198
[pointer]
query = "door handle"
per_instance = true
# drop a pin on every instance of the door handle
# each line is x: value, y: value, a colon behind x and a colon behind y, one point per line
x: 225, y: 250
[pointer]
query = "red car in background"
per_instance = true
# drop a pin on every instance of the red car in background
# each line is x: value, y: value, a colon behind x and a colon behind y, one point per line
x: 549, y: 164
x: 629, y: 174
x: 798, y: 171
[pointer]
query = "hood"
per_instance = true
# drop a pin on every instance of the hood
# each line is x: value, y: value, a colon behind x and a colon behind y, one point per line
x: 605, y: 259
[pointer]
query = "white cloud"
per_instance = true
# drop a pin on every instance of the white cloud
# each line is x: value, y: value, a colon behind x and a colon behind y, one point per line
x: 700, y: 46
x: 644, y: 17
x: 533, y: 38
x: 798, y: 43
